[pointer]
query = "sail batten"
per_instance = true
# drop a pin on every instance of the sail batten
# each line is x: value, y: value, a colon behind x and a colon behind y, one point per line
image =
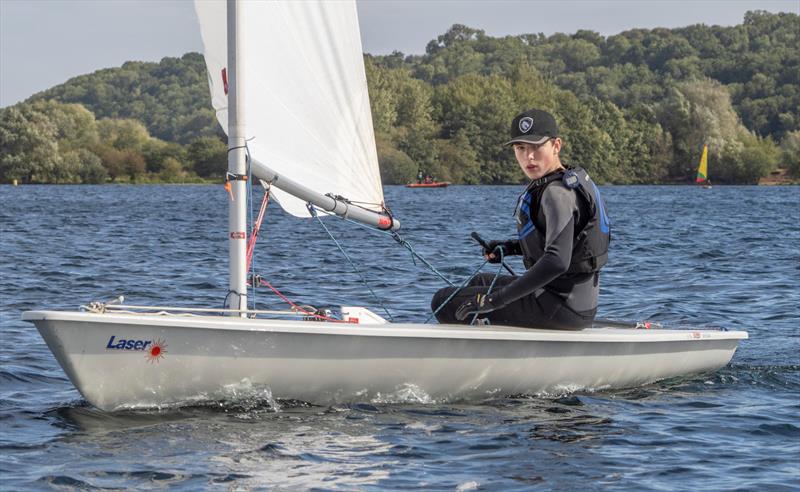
x: 308, y: 114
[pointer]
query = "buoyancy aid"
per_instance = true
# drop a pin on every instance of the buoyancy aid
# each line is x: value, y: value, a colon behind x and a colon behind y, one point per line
x: 592, y: 233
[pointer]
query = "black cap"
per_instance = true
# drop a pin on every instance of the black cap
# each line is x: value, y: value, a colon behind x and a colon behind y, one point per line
x: 533, y: 126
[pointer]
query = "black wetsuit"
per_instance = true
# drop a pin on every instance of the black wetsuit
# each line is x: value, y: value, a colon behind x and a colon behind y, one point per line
x: 564, y: 244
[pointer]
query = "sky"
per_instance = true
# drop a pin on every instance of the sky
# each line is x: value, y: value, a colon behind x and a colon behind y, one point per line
x: 45, y: 42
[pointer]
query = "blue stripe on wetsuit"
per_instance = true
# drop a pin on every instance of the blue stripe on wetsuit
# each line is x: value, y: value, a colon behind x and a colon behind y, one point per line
x: 604, y: 220
x: 525, y: 207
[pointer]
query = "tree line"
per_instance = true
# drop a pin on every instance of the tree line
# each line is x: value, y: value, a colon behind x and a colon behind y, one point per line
x: 635, y: 107
x: 46, y: 141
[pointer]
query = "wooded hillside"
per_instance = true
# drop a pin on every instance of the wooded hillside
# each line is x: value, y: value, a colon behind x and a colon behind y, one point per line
x: 633, y: 108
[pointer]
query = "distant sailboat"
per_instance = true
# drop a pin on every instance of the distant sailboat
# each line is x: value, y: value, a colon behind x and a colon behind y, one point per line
x: 702, y: 170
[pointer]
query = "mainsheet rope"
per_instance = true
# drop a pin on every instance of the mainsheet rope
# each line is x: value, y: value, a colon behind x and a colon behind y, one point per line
x: 403, y: 242
x: 313, y: 211
x: 400, y: 240
x: 464, y: 284
x: 257, y: 280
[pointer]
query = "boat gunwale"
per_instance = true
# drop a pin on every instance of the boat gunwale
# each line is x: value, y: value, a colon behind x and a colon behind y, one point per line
x: 393, y: 330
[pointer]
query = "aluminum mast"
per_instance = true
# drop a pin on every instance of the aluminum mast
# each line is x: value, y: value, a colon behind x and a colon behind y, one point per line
x: 237, y: 167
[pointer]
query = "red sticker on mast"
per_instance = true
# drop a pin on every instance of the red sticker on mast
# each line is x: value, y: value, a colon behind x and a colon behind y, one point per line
x: 238, y: 235
x: 225, y: 80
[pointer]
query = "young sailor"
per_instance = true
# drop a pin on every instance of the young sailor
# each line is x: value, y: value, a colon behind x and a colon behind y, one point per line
x: 563, y: 236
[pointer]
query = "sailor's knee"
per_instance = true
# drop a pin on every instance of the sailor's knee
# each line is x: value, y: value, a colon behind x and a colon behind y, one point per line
x: 440, y: 297
x: 481, y: 280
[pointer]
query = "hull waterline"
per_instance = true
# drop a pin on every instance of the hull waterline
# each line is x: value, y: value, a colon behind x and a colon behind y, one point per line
x: 111, y: 360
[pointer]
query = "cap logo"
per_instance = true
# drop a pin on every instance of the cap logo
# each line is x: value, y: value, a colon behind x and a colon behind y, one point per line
x: 525, y: 124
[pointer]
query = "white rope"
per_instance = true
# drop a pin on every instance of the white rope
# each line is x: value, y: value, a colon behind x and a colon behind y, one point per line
x: 98, y: 307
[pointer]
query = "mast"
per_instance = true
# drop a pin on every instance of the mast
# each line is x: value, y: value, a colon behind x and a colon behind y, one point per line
x: 237, y: 167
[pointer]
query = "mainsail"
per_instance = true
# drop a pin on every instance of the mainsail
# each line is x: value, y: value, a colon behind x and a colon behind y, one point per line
x: 306, y: 106
x: 702, y: 169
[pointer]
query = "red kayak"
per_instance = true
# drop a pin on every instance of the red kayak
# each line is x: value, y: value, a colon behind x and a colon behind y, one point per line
x: 434, y: 184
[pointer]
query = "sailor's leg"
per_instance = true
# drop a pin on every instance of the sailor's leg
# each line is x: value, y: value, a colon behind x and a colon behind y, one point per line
x: 478, y: 285
x: 447, y: 312
x: 485, y: 280
x: 544, y: 311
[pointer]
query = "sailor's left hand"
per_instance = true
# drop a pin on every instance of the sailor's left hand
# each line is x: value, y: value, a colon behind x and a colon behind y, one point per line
x: 480, y: 305
x: 496, y: 250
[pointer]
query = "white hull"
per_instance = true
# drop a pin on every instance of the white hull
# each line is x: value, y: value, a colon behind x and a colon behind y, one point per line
x: 215, y: 357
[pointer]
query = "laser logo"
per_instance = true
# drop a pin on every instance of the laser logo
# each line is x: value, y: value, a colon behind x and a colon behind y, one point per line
x: 154, y: 349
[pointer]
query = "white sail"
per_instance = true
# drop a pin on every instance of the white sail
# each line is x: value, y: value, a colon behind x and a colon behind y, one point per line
x: 306, y: 106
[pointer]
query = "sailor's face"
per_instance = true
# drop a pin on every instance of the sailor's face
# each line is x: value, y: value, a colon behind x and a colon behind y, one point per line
x: 537, y: 160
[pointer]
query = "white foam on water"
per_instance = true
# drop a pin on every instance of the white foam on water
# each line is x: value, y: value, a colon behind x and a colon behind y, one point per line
x: 404, y: 393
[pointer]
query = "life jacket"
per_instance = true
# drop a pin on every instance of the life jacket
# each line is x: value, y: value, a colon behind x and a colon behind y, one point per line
x: 592, y: 234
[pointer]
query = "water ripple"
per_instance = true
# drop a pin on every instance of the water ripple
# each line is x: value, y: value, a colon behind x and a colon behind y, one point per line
x: 680, y: 255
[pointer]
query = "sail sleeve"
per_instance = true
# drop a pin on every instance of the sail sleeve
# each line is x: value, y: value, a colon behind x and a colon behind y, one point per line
x: 306, y: 105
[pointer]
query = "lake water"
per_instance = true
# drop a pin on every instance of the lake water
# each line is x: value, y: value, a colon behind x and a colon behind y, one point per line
x: 729, y: 256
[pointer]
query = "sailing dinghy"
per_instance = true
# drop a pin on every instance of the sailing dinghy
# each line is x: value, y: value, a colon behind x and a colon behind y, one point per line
x: 702, y: 170
x: 288, y: 84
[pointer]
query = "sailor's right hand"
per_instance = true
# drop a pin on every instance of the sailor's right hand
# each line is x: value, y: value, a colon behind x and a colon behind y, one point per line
x: 482, y: 304
x: 493, y: 254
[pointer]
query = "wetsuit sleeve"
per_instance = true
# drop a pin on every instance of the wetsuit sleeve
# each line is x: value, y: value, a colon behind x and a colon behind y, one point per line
x: 558, y: 208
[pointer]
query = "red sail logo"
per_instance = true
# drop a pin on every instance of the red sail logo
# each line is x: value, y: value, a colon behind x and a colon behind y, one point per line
x: 156, y: 351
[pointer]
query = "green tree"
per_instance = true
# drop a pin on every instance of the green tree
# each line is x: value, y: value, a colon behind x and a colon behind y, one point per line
x: 382, y: 96
x: 758, y: 158
x: 697, y: 113
x: 28, y: 148
x: 156, y: 152
x: 80, y: 166
x: 790, y: 150
x: 75, y: 126
x: 208, y: 157
x: 113, y: 160
x: 123, y: 134
x: 171, y: 171
x: 91, y: 170
x: 133, y: 163
x: 396, y: 167
x: 458, y: 161
x: 401, y: 109
x: 480, y: 107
